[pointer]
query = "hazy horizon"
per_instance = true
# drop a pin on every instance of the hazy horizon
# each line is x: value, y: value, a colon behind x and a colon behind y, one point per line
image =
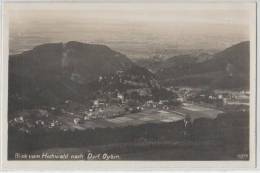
x: 138, y: 30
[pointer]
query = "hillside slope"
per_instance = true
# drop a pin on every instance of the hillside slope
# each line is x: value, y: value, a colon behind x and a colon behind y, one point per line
x: 227, y: 69
x: 51, y: 73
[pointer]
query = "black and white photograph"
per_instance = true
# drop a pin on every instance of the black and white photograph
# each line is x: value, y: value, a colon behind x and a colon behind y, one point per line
x: 130, y: 81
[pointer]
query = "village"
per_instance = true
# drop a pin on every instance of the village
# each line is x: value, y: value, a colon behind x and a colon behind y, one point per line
x: 114, y: 109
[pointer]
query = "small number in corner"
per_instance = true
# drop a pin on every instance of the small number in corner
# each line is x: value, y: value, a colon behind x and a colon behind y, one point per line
x: 242, y: 156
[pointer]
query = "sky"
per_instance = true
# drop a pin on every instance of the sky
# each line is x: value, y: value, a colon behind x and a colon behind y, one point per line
x: 138, y: 30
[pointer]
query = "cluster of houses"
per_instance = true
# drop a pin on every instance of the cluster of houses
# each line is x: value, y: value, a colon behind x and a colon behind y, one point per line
x: 234, y: 97
x: 124, y: 78
x: 162, y: 104
x: 100, y: 108
x: 218, y: 97
x: 113, y: 104
x: 27, y: 120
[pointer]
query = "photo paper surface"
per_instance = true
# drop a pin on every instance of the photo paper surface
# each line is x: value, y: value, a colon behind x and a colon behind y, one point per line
x: 135, y: 82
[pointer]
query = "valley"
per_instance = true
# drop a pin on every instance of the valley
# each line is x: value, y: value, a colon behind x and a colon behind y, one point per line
x: 61, y: 93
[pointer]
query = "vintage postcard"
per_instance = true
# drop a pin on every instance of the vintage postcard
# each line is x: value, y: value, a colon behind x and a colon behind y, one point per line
x: 118, y: 84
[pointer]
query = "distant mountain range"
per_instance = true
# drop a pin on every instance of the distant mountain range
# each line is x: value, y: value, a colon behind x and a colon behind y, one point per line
x: 228, y: 69
x: 156, y: 64
x: 52, y: 73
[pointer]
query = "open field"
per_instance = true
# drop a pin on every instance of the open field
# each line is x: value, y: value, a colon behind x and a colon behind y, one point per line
x: 144, y: 117
x: 196, y: 111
